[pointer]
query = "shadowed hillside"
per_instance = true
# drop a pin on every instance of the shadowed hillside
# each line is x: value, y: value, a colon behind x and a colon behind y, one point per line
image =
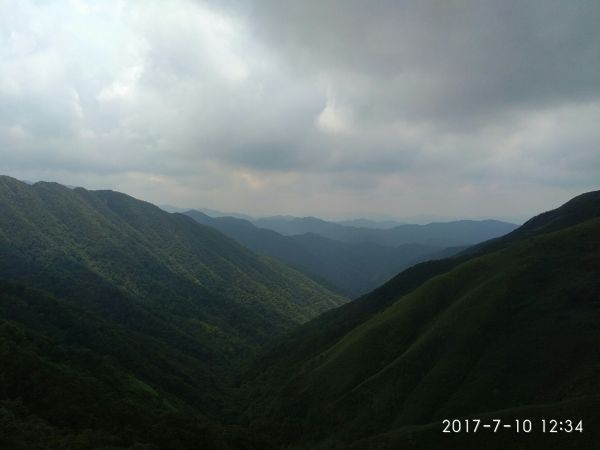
x: 154, y: 297
x: 512, y: 326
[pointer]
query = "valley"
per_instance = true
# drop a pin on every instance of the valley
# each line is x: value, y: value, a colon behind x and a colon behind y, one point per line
x: 191, y: 340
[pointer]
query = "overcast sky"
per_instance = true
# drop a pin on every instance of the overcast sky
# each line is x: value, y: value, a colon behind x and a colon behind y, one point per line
x: 334, y: 108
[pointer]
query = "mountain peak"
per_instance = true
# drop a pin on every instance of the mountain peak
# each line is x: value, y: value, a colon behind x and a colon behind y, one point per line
x: 579, y: 209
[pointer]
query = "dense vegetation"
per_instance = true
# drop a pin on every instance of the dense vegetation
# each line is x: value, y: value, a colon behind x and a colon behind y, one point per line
x: 507, y: 328
x: 352, y: 268
x: 125, y: 327
x: 128, y: 299
x: 70, y: 379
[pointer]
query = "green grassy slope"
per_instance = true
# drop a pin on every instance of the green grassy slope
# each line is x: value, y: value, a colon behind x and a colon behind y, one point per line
x: 317, y: 335
x: 512, y: 326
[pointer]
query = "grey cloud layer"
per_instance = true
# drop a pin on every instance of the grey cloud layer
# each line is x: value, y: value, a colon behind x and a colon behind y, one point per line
x: 443, y: 58
x: 305, y: 107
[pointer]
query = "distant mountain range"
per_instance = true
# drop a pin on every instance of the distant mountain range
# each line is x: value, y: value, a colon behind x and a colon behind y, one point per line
x: 209, y: 212
x: 351, y: 260
x: 441, y: 234
x: 365, y: 223
x: 368, y: 223
x: 346, y: 230
x: 349, y: 268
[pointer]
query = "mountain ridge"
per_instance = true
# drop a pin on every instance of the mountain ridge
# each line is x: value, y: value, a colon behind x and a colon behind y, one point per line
x: 349, y: 268
x: 441, y: 234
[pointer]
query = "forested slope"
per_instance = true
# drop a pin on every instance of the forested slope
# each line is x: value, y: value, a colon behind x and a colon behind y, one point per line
x: 149, y: 298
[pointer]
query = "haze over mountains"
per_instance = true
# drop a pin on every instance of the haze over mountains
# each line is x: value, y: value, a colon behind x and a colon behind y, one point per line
x: 352, y: 260
x: 370, y: 223
x: 188, y: 339
x: 443, y: 234
x: 375, y: 222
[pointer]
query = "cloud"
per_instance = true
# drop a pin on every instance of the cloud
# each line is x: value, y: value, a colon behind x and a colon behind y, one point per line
x: 306, y: 107
x: 436, y: 59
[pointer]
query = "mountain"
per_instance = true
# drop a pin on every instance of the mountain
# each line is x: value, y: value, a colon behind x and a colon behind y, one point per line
x: 509, y: 331
x: 441, y: 234
x: 207, y: 211
x: 579, y: 209
x: 171, y: 208
x: 350, y: 268
x: 368, y: 223
x: 109, y: 295
x: 289, y: 226
x: 215, y: 213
